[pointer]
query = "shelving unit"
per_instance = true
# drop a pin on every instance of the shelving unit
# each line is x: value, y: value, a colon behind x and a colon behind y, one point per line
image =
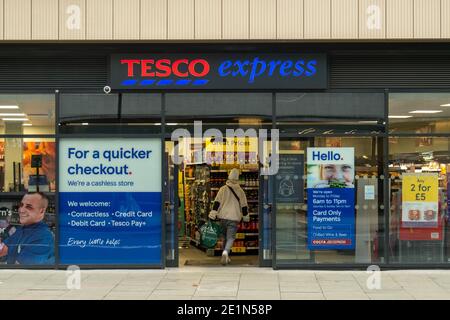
x: 197, y: 200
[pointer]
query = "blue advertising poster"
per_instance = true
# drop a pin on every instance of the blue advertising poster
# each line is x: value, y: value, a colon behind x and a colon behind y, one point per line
x: 331, y: 198
x: 110, y: 201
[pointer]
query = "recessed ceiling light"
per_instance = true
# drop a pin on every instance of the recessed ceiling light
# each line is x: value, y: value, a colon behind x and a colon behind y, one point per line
x: 399, y: 117
x: 9, y: 107
x: 15, y: 119
x: 445, y: 105
x: 425, y: 111
x: 12, y: 114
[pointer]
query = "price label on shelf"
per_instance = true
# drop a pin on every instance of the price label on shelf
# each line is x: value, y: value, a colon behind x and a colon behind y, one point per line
x: 240, y: 236
x: 238, y: 249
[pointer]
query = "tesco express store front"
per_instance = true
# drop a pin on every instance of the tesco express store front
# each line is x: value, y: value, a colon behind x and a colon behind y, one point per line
x: 131, y: 156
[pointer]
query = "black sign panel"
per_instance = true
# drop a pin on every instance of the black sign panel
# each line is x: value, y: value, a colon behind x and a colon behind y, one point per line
x: 36, y: 160
x: 218, y: 71
x: 289, y: 179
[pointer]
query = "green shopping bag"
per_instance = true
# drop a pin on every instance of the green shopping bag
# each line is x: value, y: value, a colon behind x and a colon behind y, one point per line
x: 209, y: 234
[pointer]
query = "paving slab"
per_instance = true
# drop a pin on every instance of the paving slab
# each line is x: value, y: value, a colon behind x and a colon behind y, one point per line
x: 126, y: 295
x: 258, y: 294
x: 169, y: 297
x: 214, y: 298
x: 346, y: 296
x: 247, y: 283
x: 180, y: 292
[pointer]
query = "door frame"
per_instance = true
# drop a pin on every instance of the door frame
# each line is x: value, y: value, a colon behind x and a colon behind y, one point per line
x: 170, y: 204
x: 172, y: 188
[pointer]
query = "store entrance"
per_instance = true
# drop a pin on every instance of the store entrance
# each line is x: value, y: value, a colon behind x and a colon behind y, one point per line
x: 193, y: 186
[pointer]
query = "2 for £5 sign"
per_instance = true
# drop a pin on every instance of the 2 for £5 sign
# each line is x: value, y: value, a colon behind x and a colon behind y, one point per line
x: 420, y: 200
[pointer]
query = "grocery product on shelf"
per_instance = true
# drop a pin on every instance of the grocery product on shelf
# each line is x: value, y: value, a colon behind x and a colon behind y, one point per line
x: 196, y: 182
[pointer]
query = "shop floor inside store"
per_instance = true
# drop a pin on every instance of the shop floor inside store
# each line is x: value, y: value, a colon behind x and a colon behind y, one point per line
x: 195, y: 257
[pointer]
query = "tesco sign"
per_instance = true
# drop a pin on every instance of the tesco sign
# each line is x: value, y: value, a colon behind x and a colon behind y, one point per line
x: 217, y: 71
x: 163, y: 68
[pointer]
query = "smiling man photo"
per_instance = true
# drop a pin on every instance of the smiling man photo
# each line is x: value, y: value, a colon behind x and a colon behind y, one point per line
x: 32, y: 242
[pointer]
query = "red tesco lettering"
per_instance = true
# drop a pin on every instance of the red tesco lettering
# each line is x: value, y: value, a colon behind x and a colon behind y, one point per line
x: 164, y: 68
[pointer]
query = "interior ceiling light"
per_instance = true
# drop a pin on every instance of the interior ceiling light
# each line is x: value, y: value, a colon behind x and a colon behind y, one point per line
x: 12, y: 114
x: 399, y: 117
x: 425, y: 111
x: 27, y: 124
x: 15, y: 119
x: 445, y: 105
x: 9, y: 107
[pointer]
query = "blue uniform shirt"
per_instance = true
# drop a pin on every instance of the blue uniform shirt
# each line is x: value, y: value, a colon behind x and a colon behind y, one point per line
x: 32, y: 244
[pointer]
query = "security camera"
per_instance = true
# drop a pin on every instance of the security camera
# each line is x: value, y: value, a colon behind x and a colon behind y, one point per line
x: 107, y: 89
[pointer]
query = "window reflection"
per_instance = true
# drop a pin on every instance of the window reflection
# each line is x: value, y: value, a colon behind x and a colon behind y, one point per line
x: 419, y: 113
x: 27, y: 114
x: 419, y: 242
x: 17, y: 173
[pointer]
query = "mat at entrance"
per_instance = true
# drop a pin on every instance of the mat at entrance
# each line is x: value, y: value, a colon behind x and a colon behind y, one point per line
x: 216, y: 263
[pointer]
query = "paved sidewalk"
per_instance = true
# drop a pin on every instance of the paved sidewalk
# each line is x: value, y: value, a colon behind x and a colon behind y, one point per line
x: 223, y: 284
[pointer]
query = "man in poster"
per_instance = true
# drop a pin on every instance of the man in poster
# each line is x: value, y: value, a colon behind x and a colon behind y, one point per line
x: 32, y: 242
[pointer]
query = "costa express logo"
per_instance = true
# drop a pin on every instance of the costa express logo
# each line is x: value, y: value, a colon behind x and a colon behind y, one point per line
x: 198, y: 72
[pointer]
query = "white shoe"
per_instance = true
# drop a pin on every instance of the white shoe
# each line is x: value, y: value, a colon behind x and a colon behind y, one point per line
x: 225, y: 259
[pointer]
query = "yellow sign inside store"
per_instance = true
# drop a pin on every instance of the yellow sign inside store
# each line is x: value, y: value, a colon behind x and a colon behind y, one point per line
x: 245, y: 144
x: 420, y: 187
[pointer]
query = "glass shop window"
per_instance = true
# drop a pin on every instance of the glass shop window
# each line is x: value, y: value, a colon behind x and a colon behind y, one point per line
x: 27, y: 114
x: 27, y: 164
x: 419, y: 113
x: 418, y: 222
